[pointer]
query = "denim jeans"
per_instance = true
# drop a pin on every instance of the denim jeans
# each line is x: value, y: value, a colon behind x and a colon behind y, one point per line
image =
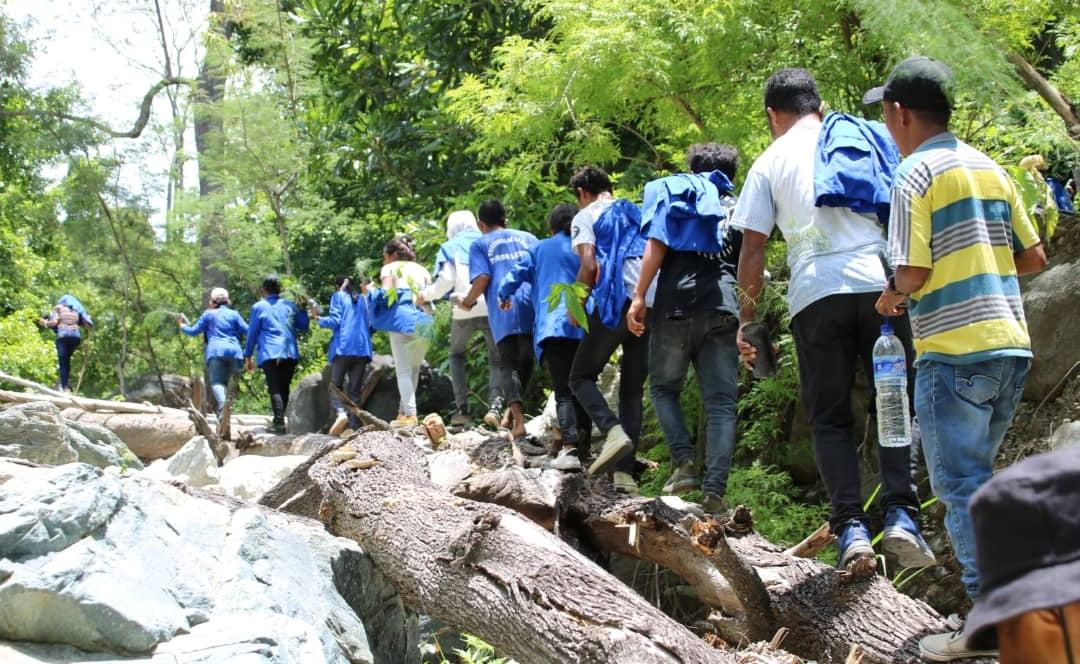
x: 350, y: 369
x: 708, y: 341
x: 65, y: 348
x: 221, y: 370
x: 462, y: 331
x: 964, y: 411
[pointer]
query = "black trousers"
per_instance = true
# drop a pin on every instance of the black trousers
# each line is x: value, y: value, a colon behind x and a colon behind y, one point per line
x: 591, y: 358
x: 352, y: 368
x: 516, y: 352
x: 831, y: 335
x: 279, y: 374
x: 574, y: 423
x: 65, y: 348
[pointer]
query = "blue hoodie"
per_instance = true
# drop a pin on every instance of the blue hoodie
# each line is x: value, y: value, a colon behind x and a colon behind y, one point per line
x: 348, y: 319
x: 548, y: 262
x: 685, y: 212
x: 274, y: 323
x: 854, y: 166
x: 618, y: 237
x: 223, y: 328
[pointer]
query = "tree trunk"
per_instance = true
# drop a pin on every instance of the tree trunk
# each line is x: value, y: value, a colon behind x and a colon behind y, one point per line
x: 208, y: 137
x: 1057, y: 101
x: 487, y: 570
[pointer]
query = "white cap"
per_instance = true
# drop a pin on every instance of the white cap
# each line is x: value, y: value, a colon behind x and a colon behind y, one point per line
x: 219, y: 296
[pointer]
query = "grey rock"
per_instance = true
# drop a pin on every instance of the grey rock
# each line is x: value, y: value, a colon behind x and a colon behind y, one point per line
x: 265, y: 444
x: 100, y: 447
x: 193, y: 464
x: 1066, y: 434
x: 147, y: 388
x: 35, y: 432
x: 1051, y: 309
x: 309, y: 404
x: 149, y: 437
x: 249, y: 477
x: 448, y: 468
x: 132, y: 566
x: 434, y: 394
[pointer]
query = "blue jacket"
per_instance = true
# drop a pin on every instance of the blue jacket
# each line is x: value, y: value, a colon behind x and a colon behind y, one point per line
x: 494, y: 255
x: 402, y: 316
x: 618, y: 237
x: 273, y: 325
x: 854, y: 166
x: 685, y: 211
x: 349, y: 321
x: 548, y: 262
x: 1061, y: 195
x: 223, y: 328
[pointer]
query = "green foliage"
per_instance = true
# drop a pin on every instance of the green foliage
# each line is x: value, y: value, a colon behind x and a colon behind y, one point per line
x: 26, y: 351
x: 573, y: 295
x: 476, y: 651
x: 1037, y: 198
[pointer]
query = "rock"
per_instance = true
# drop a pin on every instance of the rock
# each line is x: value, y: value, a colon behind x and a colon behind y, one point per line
x: 266, y: 444
x: 435, y: 394
x: 193, y: 464
x: 309, y: 404
x: 148, y: 436
x: 249, y: 477
x: 121, y: 567
x: 147, y: 388
x: 448, y: 468
x: 1051, y: 308
x: 1065, y: 435
x: 38, y: 432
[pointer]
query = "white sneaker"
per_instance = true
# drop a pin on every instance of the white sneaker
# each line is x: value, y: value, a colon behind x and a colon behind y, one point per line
x: 616, y: 445
x: 567, y: 460
x: 949, y: 646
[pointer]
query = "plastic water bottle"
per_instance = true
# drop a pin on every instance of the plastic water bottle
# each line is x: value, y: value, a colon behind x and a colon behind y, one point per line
x: 890, y: 381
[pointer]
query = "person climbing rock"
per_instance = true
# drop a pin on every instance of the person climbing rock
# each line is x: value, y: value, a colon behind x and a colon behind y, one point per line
x: 67, y: 318
x: 273, y: 325
x: 223, y: 330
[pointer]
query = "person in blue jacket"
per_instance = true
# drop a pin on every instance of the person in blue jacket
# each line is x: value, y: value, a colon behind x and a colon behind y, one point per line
x: 222, y: 328
x: 66, y: 320
x: 490, y: 259
x: 556, y: 339
x: 349, y: 352
x: 272, y: 329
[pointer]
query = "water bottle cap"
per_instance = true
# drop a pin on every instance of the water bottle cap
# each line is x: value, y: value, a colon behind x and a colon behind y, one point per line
x: 886, y: 329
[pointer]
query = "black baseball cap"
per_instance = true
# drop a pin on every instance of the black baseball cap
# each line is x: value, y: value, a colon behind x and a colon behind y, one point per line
x: 918, y: 83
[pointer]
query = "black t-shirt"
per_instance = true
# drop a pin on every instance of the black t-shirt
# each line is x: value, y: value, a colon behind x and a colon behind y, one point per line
x: 691, y: 283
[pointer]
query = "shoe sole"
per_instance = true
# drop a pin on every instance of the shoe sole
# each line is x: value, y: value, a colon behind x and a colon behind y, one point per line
x: 949, y: 657
x: 855, y: 556
x: 609, y: 456
x: 572, y: 468
x: 681, y: 487
x: 906, y: 549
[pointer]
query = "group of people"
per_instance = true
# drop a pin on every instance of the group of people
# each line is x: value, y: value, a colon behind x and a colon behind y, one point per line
x: 901, y: 220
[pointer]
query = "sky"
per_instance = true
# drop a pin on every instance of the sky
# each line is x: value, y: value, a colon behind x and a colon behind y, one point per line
x: 112, y: 50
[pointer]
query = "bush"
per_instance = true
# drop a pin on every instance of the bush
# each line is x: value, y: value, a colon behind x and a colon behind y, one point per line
x: 27, y: 352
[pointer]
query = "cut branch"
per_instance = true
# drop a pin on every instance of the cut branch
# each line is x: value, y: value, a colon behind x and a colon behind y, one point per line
x: 1057, y: 101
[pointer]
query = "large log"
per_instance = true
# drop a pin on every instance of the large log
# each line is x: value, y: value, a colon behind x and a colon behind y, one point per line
x: 487, y: 570
x: 93, y: 405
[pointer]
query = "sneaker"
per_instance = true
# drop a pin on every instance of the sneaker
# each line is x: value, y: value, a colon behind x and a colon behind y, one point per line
x: 903, y: 540
x: 341, y: 422
x: 616, y: 445
x: 949, y: 646
x: 277, y: 427
x: 494, y: 414
x: 683, y: 479
x: 460, y: 418
x: 567, y: 460
x: 714, y: 504
x: 624, y: 483
x: 855, y: 547
x: 404, y: 421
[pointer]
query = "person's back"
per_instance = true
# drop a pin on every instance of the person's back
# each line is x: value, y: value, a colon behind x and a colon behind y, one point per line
x: 499, y: 251
x: 278, y: 320
x: 556, y: 263
x: 352, y: 335
x: 223, y: 328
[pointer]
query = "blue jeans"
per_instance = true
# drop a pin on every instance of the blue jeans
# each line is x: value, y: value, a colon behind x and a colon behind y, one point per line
x: 221, y: 370
x: 964, y: 411
x: 707, y: 340
x: 65, y: 348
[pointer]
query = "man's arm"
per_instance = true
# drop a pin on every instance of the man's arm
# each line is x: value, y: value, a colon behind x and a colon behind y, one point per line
x: 443, y: 284
x: 587, y: 272
x: 751, y: 273
x: 655, y: 250
x: 1030, y: 260
x: 479, y: 285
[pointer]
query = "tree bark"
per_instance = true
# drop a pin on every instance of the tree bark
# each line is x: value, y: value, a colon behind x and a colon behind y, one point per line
x: 208, y: 138
x: 1057, y: 101
x: 487, y: 570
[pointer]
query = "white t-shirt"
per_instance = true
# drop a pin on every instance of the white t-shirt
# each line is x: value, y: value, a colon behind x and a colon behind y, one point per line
x: 581, y: 232
x: 830, y: 250
x: 407, y: 274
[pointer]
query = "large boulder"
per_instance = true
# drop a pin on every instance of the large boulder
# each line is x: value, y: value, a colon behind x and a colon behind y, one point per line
x: 148, y: 388
x: 193, y: 464
x: 1052, y: 310
x: 435, y: 393
x: 249, y: 477
x: 148, y: 436
x: 309, y: 404
x: 38, y: 432
x: 92, y: 565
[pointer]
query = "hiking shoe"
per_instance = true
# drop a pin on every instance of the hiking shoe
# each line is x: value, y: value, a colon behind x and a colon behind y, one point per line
x: 903, y: 540
x: 494, y: 414
x: 683, y: 479
x: 460, y: 418
x: 567, y: 460
x: 616, y: 445
x: 277, y: 427
x: 714, y: 504
x: 949, y: 646
x: 624, y: 483
x: 855, y: 547
x: 404, y: 421
x: 341, y: 422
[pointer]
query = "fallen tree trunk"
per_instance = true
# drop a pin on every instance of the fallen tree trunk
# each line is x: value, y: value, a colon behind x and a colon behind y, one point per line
x: 90, y: 405
x: 487, y: 570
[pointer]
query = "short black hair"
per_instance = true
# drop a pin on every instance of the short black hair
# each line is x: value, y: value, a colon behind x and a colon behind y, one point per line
x: 708, y: 157
x: 272, y: 284
x: 939, y: 117
x: 592, y: 179
x: 492, y: 213
x: 561, y: 217
x: 793, y: 91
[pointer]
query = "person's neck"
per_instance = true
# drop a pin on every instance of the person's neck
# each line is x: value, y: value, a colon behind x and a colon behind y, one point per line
x: 785, y: 122
x: 923, y: 133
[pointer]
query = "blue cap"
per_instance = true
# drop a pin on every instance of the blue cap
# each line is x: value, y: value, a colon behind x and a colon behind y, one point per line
x: 886, y: 329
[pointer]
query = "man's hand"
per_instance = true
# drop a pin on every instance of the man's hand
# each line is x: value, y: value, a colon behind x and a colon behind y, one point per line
x: 891, y: 303
x: 635, y: 316
x: 747, y: 352
x: 42, y: 322
x: 419, y: 299
x: 466, y: 305
x: 249, y: 364
x: 506, y: 305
